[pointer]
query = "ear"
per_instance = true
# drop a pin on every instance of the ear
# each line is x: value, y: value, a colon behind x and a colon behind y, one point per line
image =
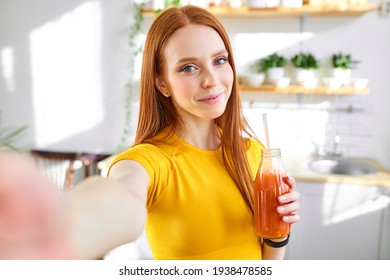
x: 161, y: 85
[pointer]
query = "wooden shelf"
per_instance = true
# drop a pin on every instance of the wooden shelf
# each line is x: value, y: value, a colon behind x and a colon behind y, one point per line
x: 296, y: 89
x: 285, y: 11
x: 247, y: 12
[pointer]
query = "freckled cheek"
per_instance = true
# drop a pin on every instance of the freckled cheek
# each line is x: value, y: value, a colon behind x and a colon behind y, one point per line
x: 186, y: 88
x: 229, y: 78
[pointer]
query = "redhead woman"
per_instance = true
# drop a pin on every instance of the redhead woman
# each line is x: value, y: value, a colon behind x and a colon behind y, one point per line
x: 192, y: 163
x: 188, y: 178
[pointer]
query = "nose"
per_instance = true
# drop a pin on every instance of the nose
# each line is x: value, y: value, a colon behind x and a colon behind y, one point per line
x: 209, y: 79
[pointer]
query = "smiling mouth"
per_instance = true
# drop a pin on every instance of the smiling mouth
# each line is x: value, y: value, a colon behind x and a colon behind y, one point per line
x: 211, y: 97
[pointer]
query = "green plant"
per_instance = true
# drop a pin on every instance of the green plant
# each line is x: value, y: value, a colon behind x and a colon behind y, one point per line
x: 305, y: 61
x: 169, y: 3
x: 9, y: 135
x: 271, y: 61
x: 135, y: 50
x: 343, y: 61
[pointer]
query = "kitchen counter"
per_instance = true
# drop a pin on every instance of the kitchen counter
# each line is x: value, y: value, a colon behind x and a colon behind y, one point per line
x: 297, y: 167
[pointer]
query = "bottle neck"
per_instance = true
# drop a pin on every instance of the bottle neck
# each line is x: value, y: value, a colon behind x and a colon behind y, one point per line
x: 271, y: 153
x: 272, y: 161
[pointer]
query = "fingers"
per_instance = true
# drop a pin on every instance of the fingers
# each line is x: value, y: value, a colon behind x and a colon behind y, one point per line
x: 289, y: 197
x: 290, y: 204
x: 291, y: 219
x: 289, y: 181
x: 32, y: 219
x: 289, y: 212
x: 292, y: 207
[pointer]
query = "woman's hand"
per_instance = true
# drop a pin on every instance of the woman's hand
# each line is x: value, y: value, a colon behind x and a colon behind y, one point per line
x: 32, y: 224
x: 289, y: 203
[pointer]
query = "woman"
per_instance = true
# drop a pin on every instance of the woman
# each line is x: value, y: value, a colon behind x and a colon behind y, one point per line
x: 194, y: 170
x: 188, y: 177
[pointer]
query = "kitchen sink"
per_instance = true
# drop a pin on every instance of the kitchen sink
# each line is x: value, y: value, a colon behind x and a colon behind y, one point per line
x: 342, y: 166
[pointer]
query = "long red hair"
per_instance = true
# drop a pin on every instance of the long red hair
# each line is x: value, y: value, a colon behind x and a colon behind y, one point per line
x: 158, y: 113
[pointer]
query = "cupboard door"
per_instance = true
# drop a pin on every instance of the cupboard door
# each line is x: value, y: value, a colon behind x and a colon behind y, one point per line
x: 337, y: 222
x: 384, y: 249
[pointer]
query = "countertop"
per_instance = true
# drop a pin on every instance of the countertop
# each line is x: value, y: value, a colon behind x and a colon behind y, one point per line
x: 297, y: 167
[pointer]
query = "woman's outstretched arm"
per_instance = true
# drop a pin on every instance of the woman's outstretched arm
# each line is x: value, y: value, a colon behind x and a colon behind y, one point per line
x: 39, y: 222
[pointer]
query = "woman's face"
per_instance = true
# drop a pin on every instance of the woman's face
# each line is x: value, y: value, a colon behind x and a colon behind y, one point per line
x: 197, y: 73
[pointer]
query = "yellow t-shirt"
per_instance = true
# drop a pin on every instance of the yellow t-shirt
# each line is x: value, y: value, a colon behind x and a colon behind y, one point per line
x: 195, y: 210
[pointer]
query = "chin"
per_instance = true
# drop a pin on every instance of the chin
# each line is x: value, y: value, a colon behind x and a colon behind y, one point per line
x: 215, y: 115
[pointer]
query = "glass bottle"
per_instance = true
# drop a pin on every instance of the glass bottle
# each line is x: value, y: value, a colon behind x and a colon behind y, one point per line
x: 268, y: 186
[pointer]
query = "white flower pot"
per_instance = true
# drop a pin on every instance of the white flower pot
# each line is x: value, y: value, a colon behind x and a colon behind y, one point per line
x: 273, y: 3
x: 275, y: 74
x: 292, y: 3
x: 302, y: 75
x: 256, y: 3
x: 343, y: 75
x: 305, y: 77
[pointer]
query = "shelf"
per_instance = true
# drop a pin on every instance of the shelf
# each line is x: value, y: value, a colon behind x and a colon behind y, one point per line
x: 296, y: 89
x: 285, y: 11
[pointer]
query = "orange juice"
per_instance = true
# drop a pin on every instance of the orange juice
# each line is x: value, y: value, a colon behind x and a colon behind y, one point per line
x: 268, y: 186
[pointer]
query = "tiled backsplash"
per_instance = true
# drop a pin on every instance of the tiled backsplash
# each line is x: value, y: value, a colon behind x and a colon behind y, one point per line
x: 308, y: 124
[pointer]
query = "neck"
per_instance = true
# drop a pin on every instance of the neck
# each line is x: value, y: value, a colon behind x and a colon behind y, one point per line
x: 203, y: 135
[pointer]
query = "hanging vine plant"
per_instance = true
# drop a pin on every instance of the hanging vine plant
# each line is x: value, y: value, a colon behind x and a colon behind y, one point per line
x: 10, y: 135
x: 135, y: 50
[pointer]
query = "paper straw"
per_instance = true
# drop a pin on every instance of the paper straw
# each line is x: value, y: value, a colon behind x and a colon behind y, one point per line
x: 266, y: 132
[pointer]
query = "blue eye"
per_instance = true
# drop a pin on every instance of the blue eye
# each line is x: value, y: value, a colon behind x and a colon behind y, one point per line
x: 221, y: 60
x: 187, y: 68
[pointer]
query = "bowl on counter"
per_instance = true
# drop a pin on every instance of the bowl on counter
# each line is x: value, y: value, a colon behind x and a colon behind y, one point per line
x: 331, y: 82
x: 252, y: 79
x: 309, y: 83
x: 283, y: 82
x: 359, y: 83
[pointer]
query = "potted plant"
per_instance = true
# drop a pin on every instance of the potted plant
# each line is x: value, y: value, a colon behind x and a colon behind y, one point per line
x: 343, y: 64
x: 273, y: 66
x: 305, y: 65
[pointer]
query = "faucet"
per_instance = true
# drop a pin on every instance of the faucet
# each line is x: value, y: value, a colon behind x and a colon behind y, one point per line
x: 335, y: 151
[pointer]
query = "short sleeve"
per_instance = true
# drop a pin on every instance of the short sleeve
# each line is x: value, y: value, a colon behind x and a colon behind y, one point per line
x: 156, y: 164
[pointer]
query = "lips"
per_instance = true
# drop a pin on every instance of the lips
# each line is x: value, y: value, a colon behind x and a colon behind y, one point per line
x: 211, y: 98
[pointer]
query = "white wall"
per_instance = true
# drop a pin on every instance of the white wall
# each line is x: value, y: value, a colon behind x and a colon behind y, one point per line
x: 69, y: 68
x: 71, y: 58
x: 300, y: 120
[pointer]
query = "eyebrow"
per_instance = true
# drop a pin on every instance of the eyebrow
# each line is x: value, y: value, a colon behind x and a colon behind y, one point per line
x: 186, y: 59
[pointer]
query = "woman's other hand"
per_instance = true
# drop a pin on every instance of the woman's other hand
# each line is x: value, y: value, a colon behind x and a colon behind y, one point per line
x: 289, y: 202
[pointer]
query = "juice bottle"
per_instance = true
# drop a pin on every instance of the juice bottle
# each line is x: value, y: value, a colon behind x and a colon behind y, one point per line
x: 268, y: 186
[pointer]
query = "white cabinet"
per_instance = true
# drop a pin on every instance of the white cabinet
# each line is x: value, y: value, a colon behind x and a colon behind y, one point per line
x: 341, y: 222
x: 384, y: 249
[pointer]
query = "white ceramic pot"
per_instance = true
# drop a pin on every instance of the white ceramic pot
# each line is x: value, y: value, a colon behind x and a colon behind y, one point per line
x: 292, y: 3
x: 275, y: 74
x: 283, y: 82
x: 273, y: 3
x: 256, y: 3
x: 304, y: 76
x: 343, y: 75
